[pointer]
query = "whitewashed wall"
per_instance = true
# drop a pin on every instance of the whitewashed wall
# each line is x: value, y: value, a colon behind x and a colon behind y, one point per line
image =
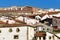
x: 58, y: 34
x: 31, y: 33
x: 45, y: 28
x: 56, y: 22
x: 6, y: 35
x: 49, y: 35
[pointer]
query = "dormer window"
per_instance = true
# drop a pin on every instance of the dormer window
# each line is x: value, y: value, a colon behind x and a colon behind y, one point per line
x: 35, y: 29
x: 10, y: 30
x: 17, y: 30
x: 0, y: 31
x: 43, y: 29
x: 49, y: 37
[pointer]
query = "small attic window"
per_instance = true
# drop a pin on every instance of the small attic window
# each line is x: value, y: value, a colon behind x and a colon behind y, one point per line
x: 0, y: 31
x: 47, y: 29
x: 49, y: 37
x: 35, y: 29
x: 17, y: 30
x: 43, y: 29
x: 10, y: 30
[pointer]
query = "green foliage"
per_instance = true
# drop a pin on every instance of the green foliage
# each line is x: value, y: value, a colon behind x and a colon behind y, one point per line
x: 56, y: 31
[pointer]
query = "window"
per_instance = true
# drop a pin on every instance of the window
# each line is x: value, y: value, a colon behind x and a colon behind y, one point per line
x: 0, y: 31
x: 47, y: 29
x: 10, y: 30
x: 43, y: 29
x: 50, y: 37
x: 16, y: 37
x: 17, y: 30
x: 44, y: 38
x: 35, y: 29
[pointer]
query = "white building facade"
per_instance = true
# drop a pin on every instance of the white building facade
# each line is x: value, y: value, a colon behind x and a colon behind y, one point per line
x: 17, y: 33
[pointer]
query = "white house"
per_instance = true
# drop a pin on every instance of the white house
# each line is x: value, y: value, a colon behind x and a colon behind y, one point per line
x: 27, y: 20
x: 43, y: 27
x: 49, y: 32
x: 56, y: 22
x: 22, y: 32
x: 13, y: 30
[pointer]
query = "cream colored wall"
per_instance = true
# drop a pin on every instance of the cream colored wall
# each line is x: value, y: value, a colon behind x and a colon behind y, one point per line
x: 49, y: 35
x: 6, y: 35
x: 58, y: 34
x: 31, y: 33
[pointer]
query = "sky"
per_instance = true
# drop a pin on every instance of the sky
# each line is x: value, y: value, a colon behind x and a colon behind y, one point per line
x: 34, y: 3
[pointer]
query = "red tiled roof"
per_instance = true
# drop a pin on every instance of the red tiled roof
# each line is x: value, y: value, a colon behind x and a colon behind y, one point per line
x: 56, y: 17
x: 2, y: 22
x: 49, y: 13
x: 20, y: 23
x: 40, y: 34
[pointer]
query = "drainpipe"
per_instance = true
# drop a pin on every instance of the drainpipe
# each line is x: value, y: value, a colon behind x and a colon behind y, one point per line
x: 23, y: 19
x: 27, y: 33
